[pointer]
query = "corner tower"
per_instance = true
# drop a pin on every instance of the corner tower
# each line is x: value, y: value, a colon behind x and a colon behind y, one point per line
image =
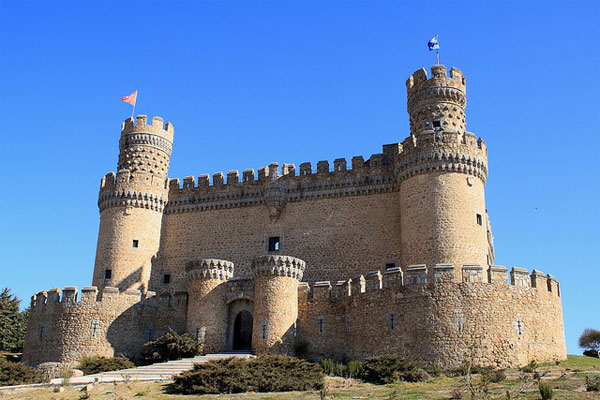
x: 131, y: 205
x: 442, y: 170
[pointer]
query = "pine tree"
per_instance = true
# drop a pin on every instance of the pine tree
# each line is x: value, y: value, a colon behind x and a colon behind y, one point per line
x: 12, y: 323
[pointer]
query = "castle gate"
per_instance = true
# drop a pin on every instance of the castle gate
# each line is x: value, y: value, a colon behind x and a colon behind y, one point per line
x: 241, y: 317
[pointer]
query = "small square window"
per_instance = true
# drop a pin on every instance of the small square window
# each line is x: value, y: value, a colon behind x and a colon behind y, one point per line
x: 390, y: 265
x: 108, y: 274
x: 436, y: 124
x: 166, y: 278
x: 479, y: 219
x: 274, y: 243
x: 135, y: 243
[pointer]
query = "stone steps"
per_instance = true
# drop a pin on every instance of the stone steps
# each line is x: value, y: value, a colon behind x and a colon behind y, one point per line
x: 153, y: 372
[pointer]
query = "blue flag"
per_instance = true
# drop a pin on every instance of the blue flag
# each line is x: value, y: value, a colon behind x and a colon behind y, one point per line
x: 433, y: 44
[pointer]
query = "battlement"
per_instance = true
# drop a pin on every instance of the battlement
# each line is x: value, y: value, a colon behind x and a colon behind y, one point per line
x: 90, y: 296
x: 209, y: 268
x: 418, y: 277
x: 439, y: 78
x: 281, y: 266
x: 140, y: 125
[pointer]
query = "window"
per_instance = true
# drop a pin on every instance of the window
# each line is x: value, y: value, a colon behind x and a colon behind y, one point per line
x: 436, y: 124
x: 390, y: 265
x: 135, y: 243
x: 479, y: 219
x: 108, y: 274
x: 274, y: 243
x: 166, y: 278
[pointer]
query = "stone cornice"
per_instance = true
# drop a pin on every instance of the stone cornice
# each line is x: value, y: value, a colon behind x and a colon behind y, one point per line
x: 146, y: 139
x: 441, y: 161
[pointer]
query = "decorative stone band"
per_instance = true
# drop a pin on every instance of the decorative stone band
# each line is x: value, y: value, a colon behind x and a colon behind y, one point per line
x: 146, y: 139
x: 209, y: 268
x: 441, y: 161
x: 436, y: 94
x: 130, y: 198
x: 219, y: 198
x: 283, y: 266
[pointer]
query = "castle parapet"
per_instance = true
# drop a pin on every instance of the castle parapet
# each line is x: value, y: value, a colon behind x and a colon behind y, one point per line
x: 209, y: 268
x: 416, y: 274
x: 284, y: 266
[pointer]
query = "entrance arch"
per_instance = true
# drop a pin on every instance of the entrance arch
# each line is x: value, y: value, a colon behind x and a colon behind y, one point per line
x: 242, y: 331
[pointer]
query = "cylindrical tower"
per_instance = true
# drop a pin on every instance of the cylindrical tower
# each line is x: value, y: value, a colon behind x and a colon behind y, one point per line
x: 275, y: 303
x: 207, y: 304
x: 442, y: 170
x: 131, y: 205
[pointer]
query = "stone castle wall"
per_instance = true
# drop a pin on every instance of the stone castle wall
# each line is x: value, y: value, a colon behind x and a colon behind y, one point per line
x: 509, y: 324
x: 63, y: 328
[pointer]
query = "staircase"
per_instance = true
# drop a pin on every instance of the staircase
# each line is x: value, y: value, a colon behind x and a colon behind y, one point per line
x: 154, y: 372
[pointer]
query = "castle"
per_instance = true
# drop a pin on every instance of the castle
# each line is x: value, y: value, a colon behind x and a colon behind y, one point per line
x: 390, y: 255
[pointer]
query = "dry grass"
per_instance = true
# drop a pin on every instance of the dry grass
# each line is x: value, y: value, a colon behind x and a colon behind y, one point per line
x: 567, y: 379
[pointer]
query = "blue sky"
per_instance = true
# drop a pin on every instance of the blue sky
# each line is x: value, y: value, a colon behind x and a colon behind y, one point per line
x: 251, y: 82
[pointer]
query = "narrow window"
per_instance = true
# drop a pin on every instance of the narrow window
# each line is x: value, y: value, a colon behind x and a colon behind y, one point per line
x: 135, y: 243
x: 436, y: 124
x: 390, y: 265
x: 166, y: 278
x: 41, y: 333
x: 479, y: 219
x: 274, y: 243
x: 108, y: 274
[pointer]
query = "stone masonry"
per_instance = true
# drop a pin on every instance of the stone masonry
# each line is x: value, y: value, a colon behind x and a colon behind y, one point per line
x: 392, y: 254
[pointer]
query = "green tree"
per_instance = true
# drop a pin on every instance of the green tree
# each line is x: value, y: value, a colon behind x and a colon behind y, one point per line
x: 12, y: 323
x: 590, y: 339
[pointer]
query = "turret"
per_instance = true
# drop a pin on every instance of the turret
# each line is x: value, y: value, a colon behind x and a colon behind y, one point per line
x: 276, y: 281
x: 131, y: 205
x: 207, y: 305
x: 442, y: 169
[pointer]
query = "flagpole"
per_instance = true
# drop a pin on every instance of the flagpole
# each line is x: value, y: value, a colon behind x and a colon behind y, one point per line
x: 437, y: 54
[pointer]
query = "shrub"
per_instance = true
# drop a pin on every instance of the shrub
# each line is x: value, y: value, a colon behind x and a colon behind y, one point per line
x: 170, y: 346
x: 262, y: 374
x: 494, y: 375
x: 355, y: 368
x: 328, y: 366
x: 592, y: 384
x: 591, y: 353
x: 94, y: 364
x: 530, y: 368
x: 18, y: 374
x: 590, y: 339
x: 546, y: 391
x: 341, y: 370
x: 390, y: 369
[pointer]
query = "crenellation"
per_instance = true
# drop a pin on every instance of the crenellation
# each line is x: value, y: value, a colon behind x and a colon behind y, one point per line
x: 498, y: 274
x: 472, y: 273
x: 248, y: 176
x: 393, y: 278
x: 54, y: 296
x: 233, y: 177
x: 358, y: 163
x: 443, y: 273
x: 288, y: 170
x: 323, y: 167
x: 520, y: 277
x: 322, y: 290
x: 539, y: 280
x: 357, y: 285
x: 189, y: 182
x: 416, y: 274
x: 339, y: 165
x: 218, y: 179
x: 305, y: 169
x: 373, y: 281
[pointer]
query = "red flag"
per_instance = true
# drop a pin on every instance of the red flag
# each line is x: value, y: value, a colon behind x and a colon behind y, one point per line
x: 131, y: 98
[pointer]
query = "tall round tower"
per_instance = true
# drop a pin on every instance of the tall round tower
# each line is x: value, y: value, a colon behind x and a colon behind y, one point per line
x: 275, y: 303
x: 442, y: 170
x: 207, y: 305
x: 131, y: 205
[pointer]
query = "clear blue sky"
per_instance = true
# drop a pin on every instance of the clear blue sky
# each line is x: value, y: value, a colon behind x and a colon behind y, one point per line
x: 248, y: 83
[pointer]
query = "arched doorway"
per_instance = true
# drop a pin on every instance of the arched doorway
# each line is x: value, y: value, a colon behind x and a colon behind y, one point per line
x: 242, y: 331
